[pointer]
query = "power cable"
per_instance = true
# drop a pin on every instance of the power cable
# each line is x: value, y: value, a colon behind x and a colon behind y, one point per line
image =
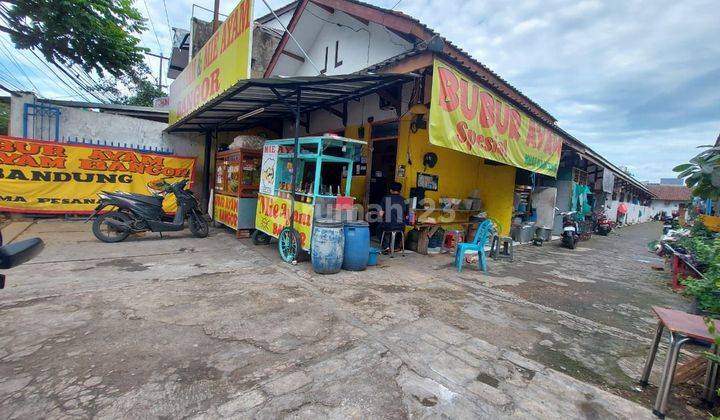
x: 17, y: 64
x: 11, y: 75
x: 167, y: 17
x: 317, y: 69
x: 152, y: 25
x: 40, y: 73
x: 58, y: 76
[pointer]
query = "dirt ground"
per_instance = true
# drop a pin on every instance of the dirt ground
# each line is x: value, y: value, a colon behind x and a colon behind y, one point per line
x: 216, y: 327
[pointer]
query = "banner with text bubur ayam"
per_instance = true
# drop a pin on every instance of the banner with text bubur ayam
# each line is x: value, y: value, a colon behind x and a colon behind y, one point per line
x: 468, y: 117
x: 42, y: 177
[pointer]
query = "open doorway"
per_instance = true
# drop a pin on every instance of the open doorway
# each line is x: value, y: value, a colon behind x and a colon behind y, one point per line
x: 382, y: 165
x: 384, y: 155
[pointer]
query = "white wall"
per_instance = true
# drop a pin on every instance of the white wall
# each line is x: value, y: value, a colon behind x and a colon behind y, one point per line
x: 359, y: 111
x: 636, y: 213
x: 360, y: 45
x: 119, y: 129
x: 667, y: 206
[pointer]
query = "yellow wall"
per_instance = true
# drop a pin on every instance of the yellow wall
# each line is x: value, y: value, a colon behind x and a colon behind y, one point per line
x: 459, y: 174
x: 357, y: 188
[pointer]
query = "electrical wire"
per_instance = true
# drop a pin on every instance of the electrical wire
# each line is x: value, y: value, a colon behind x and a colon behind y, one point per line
x: 167, y: 18
x: 11, y: 75
x: 40, y: 73
x: 72, y: 88
x: 152, y: 25
x: 17, y: 64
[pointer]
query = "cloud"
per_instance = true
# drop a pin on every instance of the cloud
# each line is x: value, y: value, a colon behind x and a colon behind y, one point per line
x: 638, y: 81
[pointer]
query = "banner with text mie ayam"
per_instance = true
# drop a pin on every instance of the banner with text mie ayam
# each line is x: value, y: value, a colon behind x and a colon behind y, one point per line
x: 467, y: 117
x: 59, y: 178
x: 220, y: 63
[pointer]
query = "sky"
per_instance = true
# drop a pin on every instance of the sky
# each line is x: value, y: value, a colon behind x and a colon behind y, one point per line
x: 638, y: 81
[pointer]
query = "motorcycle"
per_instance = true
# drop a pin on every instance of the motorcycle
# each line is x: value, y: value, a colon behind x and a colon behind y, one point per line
x: 140, y: 213
x: 570, y: 236
x: 603, y: 225
x: 17, y: 253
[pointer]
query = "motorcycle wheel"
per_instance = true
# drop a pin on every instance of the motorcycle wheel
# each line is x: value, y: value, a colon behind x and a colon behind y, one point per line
x: 198, y: 226
x: 106, y: 233
x: 572, y: 242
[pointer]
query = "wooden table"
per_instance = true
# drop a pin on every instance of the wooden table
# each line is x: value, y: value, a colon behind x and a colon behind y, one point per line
x: 427, y: 230
x: 683, y: 327
x: 681, y: 267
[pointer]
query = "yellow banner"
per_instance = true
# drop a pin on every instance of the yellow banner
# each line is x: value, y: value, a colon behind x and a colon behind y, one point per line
x: 219, y: 64
x: 225, y: 210
x: 469, y: 118
x: 273, y: 214
x: 58, y: 178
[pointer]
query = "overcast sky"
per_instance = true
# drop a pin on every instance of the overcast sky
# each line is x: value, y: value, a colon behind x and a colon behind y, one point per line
x: 638, y: 81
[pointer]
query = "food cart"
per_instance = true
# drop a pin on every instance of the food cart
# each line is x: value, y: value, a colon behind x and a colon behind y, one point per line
x: 237, y: 180
x: 300, y: 186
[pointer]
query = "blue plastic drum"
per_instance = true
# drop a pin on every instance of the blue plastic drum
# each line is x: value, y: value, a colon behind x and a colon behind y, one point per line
x: 327, y: 246
x: 357, y: 245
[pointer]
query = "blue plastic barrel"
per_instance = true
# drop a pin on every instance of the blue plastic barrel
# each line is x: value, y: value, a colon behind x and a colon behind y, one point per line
x: 357, y: 245
x: 327, y: 246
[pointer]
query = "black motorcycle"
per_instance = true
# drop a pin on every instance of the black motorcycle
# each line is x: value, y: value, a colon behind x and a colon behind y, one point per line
x: 140, y: 213
x: 17, y: 253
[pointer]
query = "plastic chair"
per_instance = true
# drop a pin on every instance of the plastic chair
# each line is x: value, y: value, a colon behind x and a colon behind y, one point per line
x: 478, y: 244
x: 393, y: 234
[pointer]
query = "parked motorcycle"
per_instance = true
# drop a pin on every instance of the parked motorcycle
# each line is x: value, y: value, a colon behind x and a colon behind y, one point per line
x: 140, y: 213
x: 570, y: 236
x: 603, y: 225
x: 17, y: 253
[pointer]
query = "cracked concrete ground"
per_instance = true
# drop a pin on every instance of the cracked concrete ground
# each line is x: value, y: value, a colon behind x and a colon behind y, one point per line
x: 211, y: 328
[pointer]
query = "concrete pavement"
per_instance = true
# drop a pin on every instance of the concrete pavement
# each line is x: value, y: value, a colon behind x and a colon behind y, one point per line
x: 216, y: 327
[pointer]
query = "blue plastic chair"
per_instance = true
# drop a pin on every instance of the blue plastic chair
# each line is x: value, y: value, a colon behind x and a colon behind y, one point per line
x: 478, y: 244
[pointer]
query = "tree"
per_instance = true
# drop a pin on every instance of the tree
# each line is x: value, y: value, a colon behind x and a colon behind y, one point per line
x: 144, y: 95
x: 97, y: 35
x: 4, y: 117
x: 702, y: 173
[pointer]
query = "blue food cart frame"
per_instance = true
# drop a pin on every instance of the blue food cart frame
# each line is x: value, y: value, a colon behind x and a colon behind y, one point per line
x: 291, y: 239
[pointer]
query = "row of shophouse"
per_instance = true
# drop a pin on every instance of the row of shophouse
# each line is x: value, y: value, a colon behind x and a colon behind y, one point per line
x: 370, y: 73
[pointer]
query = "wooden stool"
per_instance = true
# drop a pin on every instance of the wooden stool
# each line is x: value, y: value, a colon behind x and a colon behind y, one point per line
x: 507, y: 251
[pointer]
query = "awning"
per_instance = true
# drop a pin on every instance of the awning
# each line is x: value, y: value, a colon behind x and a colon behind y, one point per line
x: 253, y: 101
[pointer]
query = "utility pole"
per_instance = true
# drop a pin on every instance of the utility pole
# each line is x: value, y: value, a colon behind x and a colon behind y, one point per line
x: 161, y: 57
x: 216, y: 16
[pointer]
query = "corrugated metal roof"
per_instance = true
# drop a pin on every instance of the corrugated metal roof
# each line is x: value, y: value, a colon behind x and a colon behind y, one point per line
x: 248, y: 95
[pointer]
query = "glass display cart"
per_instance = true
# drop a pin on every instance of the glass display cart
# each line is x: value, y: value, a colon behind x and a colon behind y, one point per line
x: 237, y: 180
x: 298, y: 188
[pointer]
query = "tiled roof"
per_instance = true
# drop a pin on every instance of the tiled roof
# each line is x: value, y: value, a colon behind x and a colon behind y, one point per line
x: 671, y: 192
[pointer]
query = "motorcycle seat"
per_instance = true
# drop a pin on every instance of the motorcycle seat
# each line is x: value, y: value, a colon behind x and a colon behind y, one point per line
x: 147, y: 199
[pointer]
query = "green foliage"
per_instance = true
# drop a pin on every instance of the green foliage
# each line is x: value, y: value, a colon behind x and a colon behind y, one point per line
x: 702, y: 173
x: 4, y: 117
x: 97, y: 35
x: 144, y: 94
x: 707, y: 289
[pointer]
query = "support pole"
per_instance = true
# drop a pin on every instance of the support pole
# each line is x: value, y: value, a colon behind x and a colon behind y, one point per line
x: 216, y: 15
x: 295, y: 159
x: 206, y: 169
